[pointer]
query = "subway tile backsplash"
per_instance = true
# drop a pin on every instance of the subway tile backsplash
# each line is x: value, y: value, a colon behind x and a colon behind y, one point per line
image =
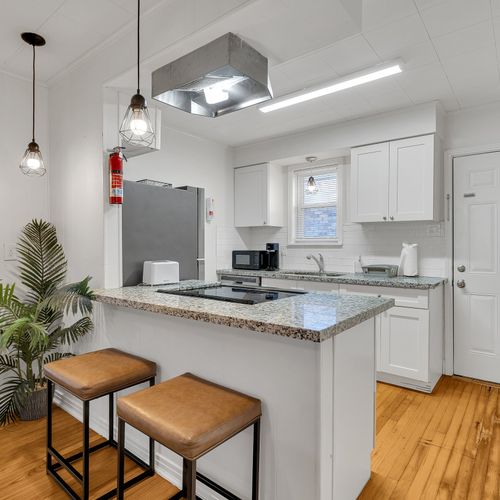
x: 376, y: 243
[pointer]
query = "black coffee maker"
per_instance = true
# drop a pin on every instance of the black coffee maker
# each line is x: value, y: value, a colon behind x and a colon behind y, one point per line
x: 273, y: 256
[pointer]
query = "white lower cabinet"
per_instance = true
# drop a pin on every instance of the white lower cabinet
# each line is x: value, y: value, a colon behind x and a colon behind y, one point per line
x: 404, y: 343
x: 409, y: 336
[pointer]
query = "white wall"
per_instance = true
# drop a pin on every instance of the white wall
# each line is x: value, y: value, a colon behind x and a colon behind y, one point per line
x: 473, y: 127
x: 22, y: 198
x: 376, y: 243
x: 185, y: 159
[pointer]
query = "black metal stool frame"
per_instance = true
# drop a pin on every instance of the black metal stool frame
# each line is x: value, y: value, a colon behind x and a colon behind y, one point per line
x: 66, y: 462
x: 189, y: 473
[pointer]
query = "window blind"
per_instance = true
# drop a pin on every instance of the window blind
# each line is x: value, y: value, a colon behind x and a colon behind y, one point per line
x: 316, y: 216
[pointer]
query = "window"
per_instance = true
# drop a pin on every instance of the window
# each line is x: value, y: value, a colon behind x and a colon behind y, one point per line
x: 315, y: 206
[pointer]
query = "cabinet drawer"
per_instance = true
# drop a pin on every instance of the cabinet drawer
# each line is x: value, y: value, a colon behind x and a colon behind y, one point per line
x: 404, y: 297
x: 316, y: 286
x: 279, y: 283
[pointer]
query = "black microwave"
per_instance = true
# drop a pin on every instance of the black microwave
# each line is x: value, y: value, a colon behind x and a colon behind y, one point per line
x: 249, y: 259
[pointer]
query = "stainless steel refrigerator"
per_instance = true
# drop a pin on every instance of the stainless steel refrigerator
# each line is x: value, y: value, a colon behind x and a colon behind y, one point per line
x: 161, y: 223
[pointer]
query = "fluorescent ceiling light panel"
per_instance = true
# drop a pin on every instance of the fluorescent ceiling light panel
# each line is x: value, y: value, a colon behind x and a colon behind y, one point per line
x: 336, y: 87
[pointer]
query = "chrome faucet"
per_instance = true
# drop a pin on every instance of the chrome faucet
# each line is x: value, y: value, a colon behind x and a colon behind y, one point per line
x: 320, y: 262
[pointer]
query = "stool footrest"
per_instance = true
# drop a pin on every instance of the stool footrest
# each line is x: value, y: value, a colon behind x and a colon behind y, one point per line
x: 128, y: 484
x: 216, y: 487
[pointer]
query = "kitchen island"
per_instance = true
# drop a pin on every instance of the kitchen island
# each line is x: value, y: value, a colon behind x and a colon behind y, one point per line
x: 309, y: 358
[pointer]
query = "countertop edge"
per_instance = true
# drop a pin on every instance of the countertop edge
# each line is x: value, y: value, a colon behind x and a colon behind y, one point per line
x: 346, y: 279
x: 296, y: 333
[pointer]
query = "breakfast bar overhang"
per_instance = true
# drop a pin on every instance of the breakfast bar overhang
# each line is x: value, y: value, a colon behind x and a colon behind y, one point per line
x: 309, y: 358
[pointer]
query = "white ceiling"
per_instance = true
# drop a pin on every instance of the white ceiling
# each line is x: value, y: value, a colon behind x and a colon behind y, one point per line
x: 450, y: 52
x: 71, y: 29
x: 449, y: 48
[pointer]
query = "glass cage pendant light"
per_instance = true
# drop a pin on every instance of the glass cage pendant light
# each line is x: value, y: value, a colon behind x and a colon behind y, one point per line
x: 312, y: 187
x: 136, y: 128
x: 32, y: 163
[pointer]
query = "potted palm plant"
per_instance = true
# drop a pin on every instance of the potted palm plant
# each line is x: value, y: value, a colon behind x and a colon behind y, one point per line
x: 38, y: 323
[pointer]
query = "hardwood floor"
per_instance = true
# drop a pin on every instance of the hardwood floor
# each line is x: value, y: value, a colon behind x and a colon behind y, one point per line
x: 22, y: 463
x: 440, y: 446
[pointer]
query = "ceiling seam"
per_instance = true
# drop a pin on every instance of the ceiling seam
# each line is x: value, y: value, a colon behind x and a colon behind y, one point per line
x: 437, y: 55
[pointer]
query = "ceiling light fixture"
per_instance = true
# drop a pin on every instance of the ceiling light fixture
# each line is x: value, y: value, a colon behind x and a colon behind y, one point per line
x: 345, y: 83
x: 136, y: 128
x: 223, y: 76
x: 32, y: 162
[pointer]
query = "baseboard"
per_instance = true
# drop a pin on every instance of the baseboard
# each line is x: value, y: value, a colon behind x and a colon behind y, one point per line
x: 164, y: 467
x: 408, y: 383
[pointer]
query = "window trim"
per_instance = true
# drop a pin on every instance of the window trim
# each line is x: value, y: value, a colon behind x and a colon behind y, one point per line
x: 324, y: 166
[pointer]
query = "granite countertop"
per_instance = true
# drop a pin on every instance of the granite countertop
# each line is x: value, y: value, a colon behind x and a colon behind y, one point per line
x: 313, y: 317
x: 417, y: 282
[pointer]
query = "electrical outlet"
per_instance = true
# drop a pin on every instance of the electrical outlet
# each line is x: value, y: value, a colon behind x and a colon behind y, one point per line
x: 434, y: 231
x: 9, y: 252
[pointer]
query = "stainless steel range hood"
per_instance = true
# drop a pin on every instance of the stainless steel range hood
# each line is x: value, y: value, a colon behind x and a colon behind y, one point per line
x: 223, y: 76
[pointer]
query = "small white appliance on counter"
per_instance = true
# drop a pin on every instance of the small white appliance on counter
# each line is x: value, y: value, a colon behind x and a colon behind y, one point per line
x: 160, y: 272
x: 408, y: 265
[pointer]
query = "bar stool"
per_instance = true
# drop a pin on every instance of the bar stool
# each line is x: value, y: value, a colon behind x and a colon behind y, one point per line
x: 191, y: 417
x: 88, y: 377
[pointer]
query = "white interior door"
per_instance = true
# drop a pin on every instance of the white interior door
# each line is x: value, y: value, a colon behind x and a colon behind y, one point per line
x: 476, y: 266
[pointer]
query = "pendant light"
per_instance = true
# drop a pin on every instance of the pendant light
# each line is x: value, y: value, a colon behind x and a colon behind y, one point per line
x: 312, y: 187
x: 136, y: 128
x: 32, y: 162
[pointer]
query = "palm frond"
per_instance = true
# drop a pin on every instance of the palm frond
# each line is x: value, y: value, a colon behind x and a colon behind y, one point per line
x: 42, y: 264
x: 71, y: 333
x: 12, y: 399
x: 7, y: 363
x: 56, y: 356
x: 10, y: 306
x: 26, y: 326
x: 75, y: 298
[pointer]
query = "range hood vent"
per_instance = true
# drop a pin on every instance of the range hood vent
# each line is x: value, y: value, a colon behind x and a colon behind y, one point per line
x: 223, y: 76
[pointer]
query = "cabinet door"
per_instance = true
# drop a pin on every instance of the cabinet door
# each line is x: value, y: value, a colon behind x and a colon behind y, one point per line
x: 370, y: 183
x: 250, y: 196
x: 411, y: 179
x: 404, y: 343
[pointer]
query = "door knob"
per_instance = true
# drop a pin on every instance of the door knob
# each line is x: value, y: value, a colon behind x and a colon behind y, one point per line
x: 461, y: 269
x: 461, y: 284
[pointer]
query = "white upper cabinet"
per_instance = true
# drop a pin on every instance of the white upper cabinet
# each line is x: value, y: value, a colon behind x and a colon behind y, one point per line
x: 258, y: 196
x: 396, y: 181
x: 370, y: 183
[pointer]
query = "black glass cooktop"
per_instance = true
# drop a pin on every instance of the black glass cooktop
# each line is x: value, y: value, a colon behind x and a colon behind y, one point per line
x: 238, y: 294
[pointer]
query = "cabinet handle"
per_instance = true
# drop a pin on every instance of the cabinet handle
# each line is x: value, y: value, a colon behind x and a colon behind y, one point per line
x: 392, y: 218
x: 384, y: 217
x: 264, y: 223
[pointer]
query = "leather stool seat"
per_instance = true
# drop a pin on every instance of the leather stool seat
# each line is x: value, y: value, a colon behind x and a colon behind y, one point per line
x: 94, y: 374
x: 189, y: 415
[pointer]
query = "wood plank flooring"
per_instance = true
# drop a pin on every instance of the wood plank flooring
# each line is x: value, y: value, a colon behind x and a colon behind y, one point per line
x: 440, y: 446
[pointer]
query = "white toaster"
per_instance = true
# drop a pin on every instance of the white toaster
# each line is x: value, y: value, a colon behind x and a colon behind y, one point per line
x: 160, y: 272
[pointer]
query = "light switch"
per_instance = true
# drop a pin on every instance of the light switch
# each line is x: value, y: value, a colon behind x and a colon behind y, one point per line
x: 9, y: 252
x: 434, y: 231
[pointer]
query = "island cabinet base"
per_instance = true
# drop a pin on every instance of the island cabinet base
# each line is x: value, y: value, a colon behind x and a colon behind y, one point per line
x: 347, y: 411
x: 317, y: 400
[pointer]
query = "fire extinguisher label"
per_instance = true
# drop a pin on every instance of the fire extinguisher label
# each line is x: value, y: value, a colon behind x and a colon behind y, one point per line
x: 116, y: 192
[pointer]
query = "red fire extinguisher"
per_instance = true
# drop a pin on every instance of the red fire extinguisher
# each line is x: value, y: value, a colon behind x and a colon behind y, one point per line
x: 116, y: 176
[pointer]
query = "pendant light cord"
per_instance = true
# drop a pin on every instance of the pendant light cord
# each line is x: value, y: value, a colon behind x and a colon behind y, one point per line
x: 138, y: 44
x: 33, y: 127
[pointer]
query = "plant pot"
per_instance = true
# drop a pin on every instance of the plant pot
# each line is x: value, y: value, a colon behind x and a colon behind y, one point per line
x: 35, y: 406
